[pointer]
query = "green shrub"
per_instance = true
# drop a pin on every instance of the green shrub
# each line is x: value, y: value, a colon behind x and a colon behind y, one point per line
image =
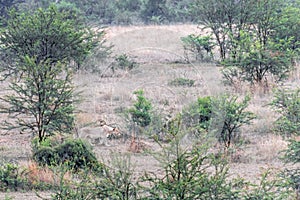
x: 185, y: 174
x: 270, y: 186
x: 124, y: 62
x: 182, y: 82
x: 228, y: 116
x: 292, y: 153
x: 196, y: 117
x: 140, y: 112
x: 115, y: 183
x: 287, y: 104
x: 45, y: 156
x: 75, y: 154
x: 222, y: 116
x: 199, y: 46
x: 11, y: 178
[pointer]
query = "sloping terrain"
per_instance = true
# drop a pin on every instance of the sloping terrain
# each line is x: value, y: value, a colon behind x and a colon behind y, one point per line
x: 159, y: 52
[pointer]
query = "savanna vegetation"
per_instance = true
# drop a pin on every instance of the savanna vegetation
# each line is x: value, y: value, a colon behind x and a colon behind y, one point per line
x: 45, y: 44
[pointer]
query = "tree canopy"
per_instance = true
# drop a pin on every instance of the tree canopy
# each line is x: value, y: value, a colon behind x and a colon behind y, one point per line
x: 46, y: 35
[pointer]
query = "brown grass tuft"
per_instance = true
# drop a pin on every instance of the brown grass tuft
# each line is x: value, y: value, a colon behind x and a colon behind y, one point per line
x: 36, y: 174
x: 137, y: 146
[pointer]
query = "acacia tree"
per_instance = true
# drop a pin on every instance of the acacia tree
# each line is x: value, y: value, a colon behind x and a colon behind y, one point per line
x: 45, y: 35
x: 258, y: 37
x: 225, y: 18
x: 43, y: 103
x: 265, y: 49
x: 40, y: 49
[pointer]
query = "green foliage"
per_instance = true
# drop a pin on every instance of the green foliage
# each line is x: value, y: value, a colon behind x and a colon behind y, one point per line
x: 224, y: 18
x: 73, y: 154
x: 124, y: 62
x: 200, y: 46
x: 261, y: 42
x: 228, y: 115
x: 292, y: 153
x: 140, y: 113
x: 185, y: 175
x: 287, y: 26
x: 257, y: 58
x: 71, y: 189
x: 196, y: 117
x: 6, y: 5
x: 118, y: 181
x: 179, y: 11
x: 182, y: 82
x: 117, y: 12
x: 269, y: 187
x: 39, y: 48
x: 233, y: 76
x: 153, y: 9
x: 115, y: 183
x: 287, y: 104
x: 43, y: 103
x: 69, y: 7
x: 293, y: 178
x: 10, y: 178
x: 45, y: 35
x: 223, y: 116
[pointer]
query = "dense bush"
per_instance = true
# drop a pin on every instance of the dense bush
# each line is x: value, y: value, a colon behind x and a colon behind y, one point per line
x: 221, y: 116
x: 287, y: 104
x: 11, y: 178
x: 185, y: 174
x: 199, y: 47
x: 196, y: 117
x: 113, y: 11
x: 115, y: 183
x: 140, y: 112
x: 228, y: 116
x: 124, y: 62
x: 75, y: 154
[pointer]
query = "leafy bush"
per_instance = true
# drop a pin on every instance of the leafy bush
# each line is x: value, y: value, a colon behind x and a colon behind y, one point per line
x: 124, y: 62
x: 115, y: 183
x: 10, y: 178
x: 45, y: 156
x: 270, y: 187
x: 140, y: 113
x: 293, y: 178
x: 221, y: 116
x: 42, y: 48
x: 228, y: 115
x: 200, y: 46
x: 182, y: 82
x: 287, y: 104
x: 75, y: 154
x: 185, y: 175
x: 153, y: 10
x: 196, y: 117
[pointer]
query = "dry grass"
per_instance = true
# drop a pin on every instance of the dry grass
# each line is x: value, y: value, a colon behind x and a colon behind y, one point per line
x: 153, y: 47
x: 36, y: 174
x: 158, y: 50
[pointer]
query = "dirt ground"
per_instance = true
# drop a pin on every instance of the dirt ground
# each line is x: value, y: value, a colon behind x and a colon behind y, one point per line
x: 159, y: 51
